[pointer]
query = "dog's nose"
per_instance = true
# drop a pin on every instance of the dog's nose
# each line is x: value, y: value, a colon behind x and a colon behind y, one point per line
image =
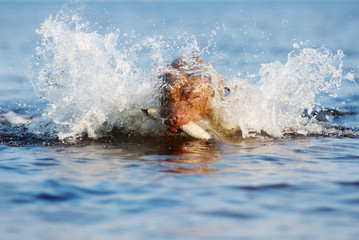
x: 173, y: 121
x: 172, y: 124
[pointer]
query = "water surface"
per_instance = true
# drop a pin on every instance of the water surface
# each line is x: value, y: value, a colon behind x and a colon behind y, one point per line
x: 132, y: 183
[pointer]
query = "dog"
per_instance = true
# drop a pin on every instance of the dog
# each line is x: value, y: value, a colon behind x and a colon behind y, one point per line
x: 191, y: 91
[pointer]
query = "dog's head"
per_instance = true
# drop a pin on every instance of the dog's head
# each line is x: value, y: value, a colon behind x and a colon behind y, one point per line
x: 186, y: 92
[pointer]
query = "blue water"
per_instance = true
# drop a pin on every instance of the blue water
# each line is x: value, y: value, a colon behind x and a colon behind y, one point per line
x: 127, y: 186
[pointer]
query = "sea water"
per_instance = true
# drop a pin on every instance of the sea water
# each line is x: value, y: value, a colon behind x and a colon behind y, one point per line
x: 79, y: 159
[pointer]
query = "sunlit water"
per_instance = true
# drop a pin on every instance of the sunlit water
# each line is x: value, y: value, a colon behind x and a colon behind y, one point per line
x: 79, y: 160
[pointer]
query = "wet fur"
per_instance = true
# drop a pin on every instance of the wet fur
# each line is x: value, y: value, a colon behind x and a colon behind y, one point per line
x: 191, y: 92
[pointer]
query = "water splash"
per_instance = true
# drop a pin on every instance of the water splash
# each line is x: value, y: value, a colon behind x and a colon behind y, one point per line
x: 275, y: 104
x: 90, y: 85
x: 93, y: 87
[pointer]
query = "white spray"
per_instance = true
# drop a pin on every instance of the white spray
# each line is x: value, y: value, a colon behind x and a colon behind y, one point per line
x: 92, y: 87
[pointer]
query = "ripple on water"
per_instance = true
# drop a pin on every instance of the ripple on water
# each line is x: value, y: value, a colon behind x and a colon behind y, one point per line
x: 354, y: 184
x: 46, y: 162
x: 268, y: 187
x: 230, y: 214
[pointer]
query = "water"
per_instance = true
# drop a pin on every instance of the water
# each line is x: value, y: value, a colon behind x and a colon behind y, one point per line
x: 88, y: 164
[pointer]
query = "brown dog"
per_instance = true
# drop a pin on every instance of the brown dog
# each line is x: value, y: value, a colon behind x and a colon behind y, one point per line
x: 191, y: 90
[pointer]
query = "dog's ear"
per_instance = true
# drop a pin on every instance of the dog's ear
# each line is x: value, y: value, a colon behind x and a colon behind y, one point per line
x: 178, y: 62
